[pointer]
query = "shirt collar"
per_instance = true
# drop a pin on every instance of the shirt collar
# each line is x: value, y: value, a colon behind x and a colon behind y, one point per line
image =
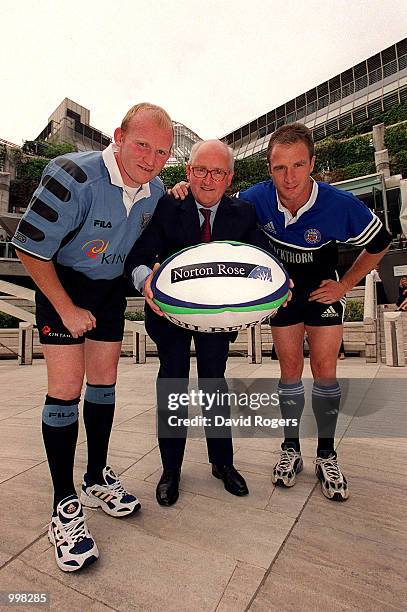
x: 110, y: 162
x: 213, y: 208
x: 288, y: 217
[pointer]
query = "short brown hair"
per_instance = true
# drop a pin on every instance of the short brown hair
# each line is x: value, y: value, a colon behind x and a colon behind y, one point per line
x: 290, y: 134
x: 160, y: 115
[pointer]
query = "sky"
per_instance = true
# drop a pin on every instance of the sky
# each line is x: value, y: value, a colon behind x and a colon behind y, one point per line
x: 213, y: 65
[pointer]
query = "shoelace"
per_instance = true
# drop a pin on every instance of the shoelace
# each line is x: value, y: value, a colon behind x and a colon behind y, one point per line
x: 76, y: 530
x: 286, y: 458
x: 331, y: 467
x: 117, y: 487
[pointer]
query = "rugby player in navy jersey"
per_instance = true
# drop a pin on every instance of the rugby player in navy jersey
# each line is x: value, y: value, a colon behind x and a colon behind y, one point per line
x: 304, y: 220
x: 73, y: 240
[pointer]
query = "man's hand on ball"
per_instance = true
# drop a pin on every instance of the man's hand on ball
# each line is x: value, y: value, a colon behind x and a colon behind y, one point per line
x: 290, y: 294
x: 148, y: 294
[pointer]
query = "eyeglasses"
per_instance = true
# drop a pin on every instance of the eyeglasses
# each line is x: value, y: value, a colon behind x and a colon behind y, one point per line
x: 216, y: 174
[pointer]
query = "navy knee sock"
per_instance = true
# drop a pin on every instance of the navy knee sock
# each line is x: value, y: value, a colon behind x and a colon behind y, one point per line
x: 325, y: 405
x: 98, y: 412
x: 60, y: 434
x: 291, y: 396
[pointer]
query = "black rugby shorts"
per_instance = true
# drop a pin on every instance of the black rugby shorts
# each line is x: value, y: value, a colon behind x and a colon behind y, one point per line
x: 300, y: 310
x: 105, y: 299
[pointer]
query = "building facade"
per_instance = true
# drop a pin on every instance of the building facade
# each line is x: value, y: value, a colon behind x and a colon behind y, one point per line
x: 374, y: 85
x: 70, y: 122
x: 184, y: 139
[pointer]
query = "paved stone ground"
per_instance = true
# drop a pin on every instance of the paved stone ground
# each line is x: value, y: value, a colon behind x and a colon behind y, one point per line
x: 276, y: 549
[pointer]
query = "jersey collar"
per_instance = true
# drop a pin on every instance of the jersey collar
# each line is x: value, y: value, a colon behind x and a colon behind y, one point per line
x: 289, y: 219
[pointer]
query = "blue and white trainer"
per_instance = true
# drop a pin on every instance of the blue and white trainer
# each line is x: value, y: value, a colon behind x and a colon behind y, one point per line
x: 74, y: 546
x: 112, y: 497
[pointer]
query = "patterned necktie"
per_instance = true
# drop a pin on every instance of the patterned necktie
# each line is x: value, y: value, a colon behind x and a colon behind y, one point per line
x: 206, y: 225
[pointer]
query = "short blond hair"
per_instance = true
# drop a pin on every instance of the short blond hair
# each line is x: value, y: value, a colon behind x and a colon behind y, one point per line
x: 160, y: 115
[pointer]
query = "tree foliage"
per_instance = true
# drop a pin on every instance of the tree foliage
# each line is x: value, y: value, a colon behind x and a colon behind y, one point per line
x: 398, y: 163
x: 7, y: 321
x: 29, y: 169
x: 248, y: 172
x: 395, y: 137
x: 394, y: 115
x: 43, y: 148
x: 353, y: 311
x: 333, y: 154
x: 172, y: 175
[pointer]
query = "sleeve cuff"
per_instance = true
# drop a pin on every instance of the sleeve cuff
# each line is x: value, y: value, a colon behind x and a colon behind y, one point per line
x: 139, y: 276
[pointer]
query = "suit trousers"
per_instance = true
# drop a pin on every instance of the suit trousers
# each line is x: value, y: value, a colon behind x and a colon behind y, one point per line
x: 173, y: 345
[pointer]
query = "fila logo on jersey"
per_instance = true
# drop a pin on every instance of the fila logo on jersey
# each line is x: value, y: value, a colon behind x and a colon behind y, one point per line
x: 102, y: 223
x: 312, y: 236
x: 330, y: 312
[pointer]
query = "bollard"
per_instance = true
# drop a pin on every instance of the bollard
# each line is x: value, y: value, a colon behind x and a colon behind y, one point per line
x: 25, y: 343
x: 394, y: 339
x: 139, y: 342
x: 254, y: 348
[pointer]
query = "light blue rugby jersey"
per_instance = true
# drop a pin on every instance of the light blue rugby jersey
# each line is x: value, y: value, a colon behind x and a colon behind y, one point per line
x: 308, y: 246
x: 77, y: 218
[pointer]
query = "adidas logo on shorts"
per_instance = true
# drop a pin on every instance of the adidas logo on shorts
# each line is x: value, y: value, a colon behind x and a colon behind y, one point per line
x: 330, y: 312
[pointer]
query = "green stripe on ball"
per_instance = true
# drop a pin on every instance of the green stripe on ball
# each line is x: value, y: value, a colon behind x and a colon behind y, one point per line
x: 182, y: 310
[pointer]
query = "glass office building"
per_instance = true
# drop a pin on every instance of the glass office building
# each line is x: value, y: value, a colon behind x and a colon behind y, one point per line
x: 374, y: 85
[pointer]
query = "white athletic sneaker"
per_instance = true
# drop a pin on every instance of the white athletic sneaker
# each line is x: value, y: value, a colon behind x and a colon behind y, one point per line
x: 333, y: 483
x: 287, y: 468
x: 111, y: 496
x: 74, y: 546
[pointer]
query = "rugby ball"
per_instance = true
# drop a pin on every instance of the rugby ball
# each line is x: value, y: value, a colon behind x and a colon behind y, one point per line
x: 220, y: 286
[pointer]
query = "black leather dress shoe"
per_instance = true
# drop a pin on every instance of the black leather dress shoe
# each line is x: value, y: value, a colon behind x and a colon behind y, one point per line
x: 167, y: 491
x: 233, y: 481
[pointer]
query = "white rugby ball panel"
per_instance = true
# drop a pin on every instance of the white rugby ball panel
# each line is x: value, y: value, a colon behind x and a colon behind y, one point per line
x: 227, y: 321
x: 220, y: 286
x: 239, y: 274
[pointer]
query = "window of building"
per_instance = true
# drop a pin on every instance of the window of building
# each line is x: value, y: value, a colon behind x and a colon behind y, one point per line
x: 331, y: 127
x: 373, y: 108
x: 375, y: 75
x: 345, y: 121
x: 319, y: 133
x: 261, y: 121
x: 390, y: 68
x: 390, y: 101
x: 280, y: 112
x: 389, y: 54
x: 359, y: 115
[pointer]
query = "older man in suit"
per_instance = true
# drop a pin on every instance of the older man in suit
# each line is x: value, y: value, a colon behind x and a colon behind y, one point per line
x: 206, y: 214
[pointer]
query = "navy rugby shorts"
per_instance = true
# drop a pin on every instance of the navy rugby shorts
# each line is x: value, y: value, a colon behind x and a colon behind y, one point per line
x: 105, y: 299
x: 300, y: 310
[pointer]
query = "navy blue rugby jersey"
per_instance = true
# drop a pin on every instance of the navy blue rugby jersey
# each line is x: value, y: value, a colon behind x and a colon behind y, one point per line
x: 307, y: 245
x: 77, y: 218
